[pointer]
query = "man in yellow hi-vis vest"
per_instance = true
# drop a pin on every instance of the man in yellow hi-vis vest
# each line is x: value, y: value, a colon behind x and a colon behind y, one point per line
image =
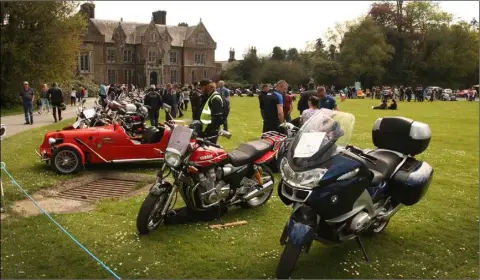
x: 212, y: 109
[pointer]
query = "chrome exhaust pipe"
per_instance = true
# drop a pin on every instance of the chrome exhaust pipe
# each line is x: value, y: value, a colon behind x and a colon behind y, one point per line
x: 265, y: 188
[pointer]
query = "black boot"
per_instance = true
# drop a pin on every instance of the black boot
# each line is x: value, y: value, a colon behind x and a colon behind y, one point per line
x: 31, y: 120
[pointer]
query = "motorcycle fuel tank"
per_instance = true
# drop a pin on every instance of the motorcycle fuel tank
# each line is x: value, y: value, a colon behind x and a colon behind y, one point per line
x: 206, y: 156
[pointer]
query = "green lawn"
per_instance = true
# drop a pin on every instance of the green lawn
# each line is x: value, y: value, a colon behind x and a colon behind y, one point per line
x: 437, y: 238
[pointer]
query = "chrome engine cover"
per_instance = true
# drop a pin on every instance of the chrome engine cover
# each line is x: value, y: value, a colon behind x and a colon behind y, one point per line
x: 360, y: 222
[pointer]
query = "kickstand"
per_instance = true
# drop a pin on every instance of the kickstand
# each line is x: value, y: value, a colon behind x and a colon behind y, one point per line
x: 357, y: 238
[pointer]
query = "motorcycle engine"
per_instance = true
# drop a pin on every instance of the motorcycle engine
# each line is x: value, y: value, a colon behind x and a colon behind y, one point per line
x: 212, y: 190
x: 360, y: 222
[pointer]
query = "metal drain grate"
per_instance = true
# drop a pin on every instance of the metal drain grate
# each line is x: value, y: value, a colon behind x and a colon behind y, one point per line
x: 103, y: 188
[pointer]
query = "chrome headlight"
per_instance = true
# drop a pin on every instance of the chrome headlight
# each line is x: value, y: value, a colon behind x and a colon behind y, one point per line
x: 51, y: 141
x: 172, y: 159
x: 307, y: 179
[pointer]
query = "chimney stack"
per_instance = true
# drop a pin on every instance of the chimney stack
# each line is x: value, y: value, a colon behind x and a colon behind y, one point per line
x: 232, y: 55
x: 160, y: 17
x: 88, y: 9
x: 254, y: 51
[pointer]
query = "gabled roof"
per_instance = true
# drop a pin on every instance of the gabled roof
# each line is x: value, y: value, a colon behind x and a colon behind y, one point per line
x: 134, y: 31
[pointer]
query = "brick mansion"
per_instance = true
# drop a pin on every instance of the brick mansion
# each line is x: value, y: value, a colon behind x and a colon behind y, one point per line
x: 119, y: 52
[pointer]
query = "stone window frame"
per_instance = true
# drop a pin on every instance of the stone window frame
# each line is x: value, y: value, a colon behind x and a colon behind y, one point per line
x: 172, y: 72
x: 114, y: 71
x: 200, y: 56
x: 152, y: 58
x: 126, y: 57
x: 112, y: 51
x: 84, y: 60
x: 205, y: 73
x: 175, y: 60
x: 126, y: 75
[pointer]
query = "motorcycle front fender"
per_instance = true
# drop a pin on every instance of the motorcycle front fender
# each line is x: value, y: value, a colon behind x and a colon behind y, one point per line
x: 160, y: 187
x: 300, y: 228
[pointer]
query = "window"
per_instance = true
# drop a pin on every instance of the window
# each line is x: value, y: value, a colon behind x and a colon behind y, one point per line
x: 111, y: 55
x: 173, y: 76
x: 112, y: 76
x: 127, y: 56
x: 205, y: 73
x: 194, y: 76
x: 152, y: 56
x: 173, y: 58
x: 128, y: 76
x: 199, y: 58
x: 84, y: 62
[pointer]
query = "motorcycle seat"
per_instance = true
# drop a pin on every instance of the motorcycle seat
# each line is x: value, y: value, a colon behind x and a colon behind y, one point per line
x: 384, y: 166
x: 248, y: 152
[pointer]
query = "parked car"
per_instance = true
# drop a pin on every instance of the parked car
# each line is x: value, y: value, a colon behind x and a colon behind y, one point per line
x: 462, y: 93
x: 447, y: 91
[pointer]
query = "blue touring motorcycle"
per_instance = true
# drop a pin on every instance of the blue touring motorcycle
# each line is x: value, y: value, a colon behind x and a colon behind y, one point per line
x: 338, y: 191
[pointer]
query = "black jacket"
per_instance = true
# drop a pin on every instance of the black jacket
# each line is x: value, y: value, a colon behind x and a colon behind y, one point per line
x: 55, y: 95
x: 153, y: 99
x: 303, y: 102
x: 216, y: 109
x: 196, y: 101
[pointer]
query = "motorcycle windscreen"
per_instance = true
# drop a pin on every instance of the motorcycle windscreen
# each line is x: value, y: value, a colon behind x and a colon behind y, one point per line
x: 318, y: 138
x: 89, y: 113
x: 179, y: 140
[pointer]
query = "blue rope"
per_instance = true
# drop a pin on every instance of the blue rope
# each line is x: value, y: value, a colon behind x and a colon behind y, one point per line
x: 58, y: 225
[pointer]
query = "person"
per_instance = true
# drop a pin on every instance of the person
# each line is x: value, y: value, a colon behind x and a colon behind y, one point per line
x: 213, y: 108
x: 169, y: 99
x: 111, y: 92
x: 326, y: 101
x: 393, y: 105
x: 381, y: 106
x: 261, y: 98
x: 27, y: 97
x: 103, y: 95
x: 55, y: 95
x: 273, y: 108
x: 408, y: 92
x: 305, y: 96
x: 82, y: 95
x: 313, y: 108
x: 226, y: 95
x: 154, y: 100
x: 44, y: 99
x: 434, y: 92
x: 196, y: 100
x: 186, y: 98
x: 73, y: 97
x: 287, y: 105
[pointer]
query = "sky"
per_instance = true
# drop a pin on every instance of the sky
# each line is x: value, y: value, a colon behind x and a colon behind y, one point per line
x: 263, y: 24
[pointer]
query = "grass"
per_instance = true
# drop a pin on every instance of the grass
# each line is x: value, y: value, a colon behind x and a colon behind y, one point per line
x: 13, y: 110
x: 436, y: 238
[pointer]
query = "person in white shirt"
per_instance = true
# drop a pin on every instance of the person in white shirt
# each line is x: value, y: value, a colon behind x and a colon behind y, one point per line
x: 73, y: 97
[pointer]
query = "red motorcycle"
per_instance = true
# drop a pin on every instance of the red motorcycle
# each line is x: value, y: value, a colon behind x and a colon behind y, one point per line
x: 206, y: 176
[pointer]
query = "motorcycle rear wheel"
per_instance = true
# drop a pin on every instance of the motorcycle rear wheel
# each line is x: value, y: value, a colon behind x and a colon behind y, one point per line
x: 262, y: 199
x: 288, y: 260
x: 149, y: 217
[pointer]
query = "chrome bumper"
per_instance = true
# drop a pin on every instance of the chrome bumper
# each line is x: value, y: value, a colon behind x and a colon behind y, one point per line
x: 42, y: 158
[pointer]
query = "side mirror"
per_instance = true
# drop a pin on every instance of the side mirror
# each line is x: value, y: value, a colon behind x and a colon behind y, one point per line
x: 225, y: 134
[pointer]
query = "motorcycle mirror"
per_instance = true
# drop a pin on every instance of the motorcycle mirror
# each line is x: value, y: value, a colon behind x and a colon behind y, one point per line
x: 225, y: 134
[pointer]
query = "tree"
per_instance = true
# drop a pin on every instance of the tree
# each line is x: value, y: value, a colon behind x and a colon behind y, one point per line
x: 326, y: 72
x: 39, y: 43
x: 292, y: 54
x: 332, y: 52
x: 364, y: 52
x: 278, y: 53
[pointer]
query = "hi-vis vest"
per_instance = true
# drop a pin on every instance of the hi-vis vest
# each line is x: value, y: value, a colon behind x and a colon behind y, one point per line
x: 206, y: 116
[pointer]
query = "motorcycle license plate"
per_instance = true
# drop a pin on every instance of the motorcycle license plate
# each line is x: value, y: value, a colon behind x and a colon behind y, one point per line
x: 76, y: 124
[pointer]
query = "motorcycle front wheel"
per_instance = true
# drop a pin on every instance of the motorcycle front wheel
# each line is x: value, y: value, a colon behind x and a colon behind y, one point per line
x: 288, y: 260
x: 149, y: 217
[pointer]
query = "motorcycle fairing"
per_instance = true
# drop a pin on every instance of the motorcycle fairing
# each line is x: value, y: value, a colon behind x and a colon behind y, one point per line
x: 300, y: 228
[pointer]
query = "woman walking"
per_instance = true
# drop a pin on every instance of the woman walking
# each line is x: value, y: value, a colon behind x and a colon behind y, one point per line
x: 73, y: 97
x: 44, y: 104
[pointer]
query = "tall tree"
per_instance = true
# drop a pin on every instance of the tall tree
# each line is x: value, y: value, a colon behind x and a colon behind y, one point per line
x: 278, y: 53
x: 292, y: 54
x: 39, y: 43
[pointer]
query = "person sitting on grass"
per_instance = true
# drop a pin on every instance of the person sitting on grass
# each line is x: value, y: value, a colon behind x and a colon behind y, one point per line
x: 313, y: 108
x: 382, y: 105
x: 393, y: 105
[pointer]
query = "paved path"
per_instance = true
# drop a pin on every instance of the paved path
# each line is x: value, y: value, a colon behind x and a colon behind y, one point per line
x: 15, y: 123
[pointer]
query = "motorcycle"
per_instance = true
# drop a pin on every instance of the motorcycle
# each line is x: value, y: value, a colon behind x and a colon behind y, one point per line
x: 339, y: 192
x: 206, y: 176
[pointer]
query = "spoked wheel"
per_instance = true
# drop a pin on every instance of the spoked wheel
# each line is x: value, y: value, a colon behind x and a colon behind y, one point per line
x: 267, y: 176
x: 288, y: 260
x: 66, y: 161
x: 149, y: 217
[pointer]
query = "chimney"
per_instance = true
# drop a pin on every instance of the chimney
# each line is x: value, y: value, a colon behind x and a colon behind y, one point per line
x: 88, y: 9
x: 160, y: 17
x: 254, y: 51
x: 232, y: 55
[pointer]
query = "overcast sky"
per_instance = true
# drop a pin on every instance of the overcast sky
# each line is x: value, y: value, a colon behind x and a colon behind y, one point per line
x: 263, y: 24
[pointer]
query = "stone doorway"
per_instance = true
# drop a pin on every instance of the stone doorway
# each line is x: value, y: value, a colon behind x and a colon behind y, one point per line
x: 153, y: 78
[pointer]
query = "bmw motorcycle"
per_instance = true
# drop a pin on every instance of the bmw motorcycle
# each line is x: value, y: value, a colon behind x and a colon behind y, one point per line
x: 339, y: 192
x: 205, y: 175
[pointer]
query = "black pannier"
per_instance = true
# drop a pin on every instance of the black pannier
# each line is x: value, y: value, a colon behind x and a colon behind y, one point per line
x: 401, y: 135
x: 411, y: 182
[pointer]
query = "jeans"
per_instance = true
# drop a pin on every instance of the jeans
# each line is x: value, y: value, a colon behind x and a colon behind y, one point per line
x: 45, y: 104
x: 154, y: 115
x: 27, y: 109
x: 72, y: 101
x: 185, y: 104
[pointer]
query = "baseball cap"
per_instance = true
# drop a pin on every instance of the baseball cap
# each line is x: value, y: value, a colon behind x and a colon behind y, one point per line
x: 204, y: 82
